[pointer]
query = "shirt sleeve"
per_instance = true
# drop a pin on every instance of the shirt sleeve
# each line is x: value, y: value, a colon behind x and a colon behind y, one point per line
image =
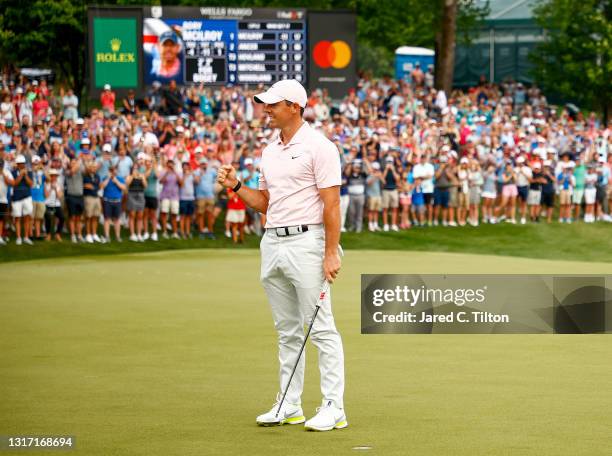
x: 327, y: 170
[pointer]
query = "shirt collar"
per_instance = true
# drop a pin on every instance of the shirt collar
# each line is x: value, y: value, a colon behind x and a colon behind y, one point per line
x: 298, y: 137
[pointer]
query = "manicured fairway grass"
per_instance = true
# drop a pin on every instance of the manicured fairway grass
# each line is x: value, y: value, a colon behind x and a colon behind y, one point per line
x: 174, y: 353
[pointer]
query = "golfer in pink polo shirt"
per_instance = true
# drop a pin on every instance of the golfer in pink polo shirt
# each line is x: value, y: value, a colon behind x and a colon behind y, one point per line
x: 299, y: 191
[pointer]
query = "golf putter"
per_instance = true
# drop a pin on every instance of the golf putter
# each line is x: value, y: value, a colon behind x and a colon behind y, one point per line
x: 322, y: 295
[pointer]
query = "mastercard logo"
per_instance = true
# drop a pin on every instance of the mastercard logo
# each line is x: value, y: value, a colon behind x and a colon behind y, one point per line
x: 335, y: 54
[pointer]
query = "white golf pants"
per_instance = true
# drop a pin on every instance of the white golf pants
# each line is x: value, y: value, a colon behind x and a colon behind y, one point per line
x: 292, y: 276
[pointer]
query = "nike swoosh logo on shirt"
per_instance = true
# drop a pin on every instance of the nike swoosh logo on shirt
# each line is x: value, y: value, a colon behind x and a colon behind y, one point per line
x: 298, y: 156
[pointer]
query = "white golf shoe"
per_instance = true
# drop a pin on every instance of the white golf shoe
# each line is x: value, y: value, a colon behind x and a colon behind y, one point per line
x: 288, y: 414
x: 328, y: 417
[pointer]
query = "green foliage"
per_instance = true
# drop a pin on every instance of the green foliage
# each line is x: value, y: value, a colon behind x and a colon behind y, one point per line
x: 376, y: 61
x: 47, y: 33
x: 575, y: 61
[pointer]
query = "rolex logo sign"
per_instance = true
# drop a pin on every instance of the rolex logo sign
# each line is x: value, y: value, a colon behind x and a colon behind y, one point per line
x: 114, y: 52
x: 115, y: 55
x: 115, y: 44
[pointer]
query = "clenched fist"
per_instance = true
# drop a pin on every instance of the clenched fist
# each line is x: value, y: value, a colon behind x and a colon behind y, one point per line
x: 226, y: 176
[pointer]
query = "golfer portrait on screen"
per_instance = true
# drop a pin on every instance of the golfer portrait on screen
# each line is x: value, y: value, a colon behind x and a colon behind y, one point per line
x: 167, y: 63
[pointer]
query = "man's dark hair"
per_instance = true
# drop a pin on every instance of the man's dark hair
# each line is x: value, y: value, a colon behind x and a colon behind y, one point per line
x: 289, y: 103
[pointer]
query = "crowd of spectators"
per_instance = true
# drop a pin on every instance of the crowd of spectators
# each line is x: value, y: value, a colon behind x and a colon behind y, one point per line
x: 412, y: 157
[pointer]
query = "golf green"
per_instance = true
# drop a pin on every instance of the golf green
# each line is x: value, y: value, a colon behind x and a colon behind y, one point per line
x: 174, y: 353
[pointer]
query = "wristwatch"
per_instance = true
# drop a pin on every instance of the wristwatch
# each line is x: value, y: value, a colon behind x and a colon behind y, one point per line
x: 237, y: 187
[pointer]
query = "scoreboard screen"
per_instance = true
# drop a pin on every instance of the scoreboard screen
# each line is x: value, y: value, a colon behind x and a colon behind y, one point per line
x: 135, y: 47
x: 226, y: 46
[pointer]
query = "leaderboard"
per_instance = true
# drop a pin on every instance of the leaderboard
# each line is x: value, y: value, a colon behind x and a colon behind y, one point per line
x: 227, y: 46
x: 270, y: 51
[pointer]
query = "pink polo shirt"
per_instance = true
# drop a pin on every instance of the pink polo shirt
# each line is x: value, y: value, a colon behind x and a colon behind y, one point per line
x: 293, y: 175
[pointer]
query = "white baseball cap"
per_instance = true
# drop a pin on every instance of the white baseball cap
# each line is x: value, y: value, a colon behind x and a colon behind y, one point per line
x: 464, y: 160
x: 85, y: 141
x: 141, y: 156
x: 35, y: 159
x: 248, y: 161
x: 20, y: 159
x: 107, y: 148
x: 198, y: 150
x: 287, y: 89
x: 80, y: 121
x: 520, y: 160
x: 107, y: 87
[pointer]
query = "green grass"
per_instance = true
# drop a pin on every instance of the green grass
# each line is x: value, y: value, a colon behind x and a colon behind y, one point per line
x: 174, y: 353
x: 578, y: 241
